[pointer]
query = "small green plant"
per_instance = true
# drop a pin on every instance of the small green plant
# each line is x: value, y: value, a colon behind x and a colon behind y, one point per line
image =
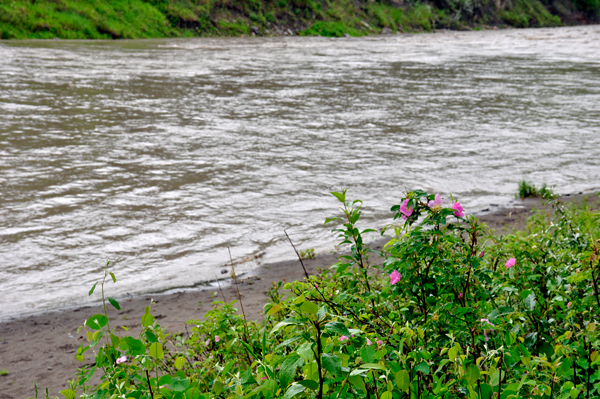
x: 3, y: 372
x: 527, y: 190
x: 308, y: 253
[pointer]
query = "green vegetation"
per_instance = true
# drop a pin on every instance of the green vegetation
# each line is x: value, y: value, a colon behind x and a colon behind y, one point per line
x: 454, y: 312
x: 527, y: 190
x: 308, y: 253
x: 106, y: 19
x: 4, y: 372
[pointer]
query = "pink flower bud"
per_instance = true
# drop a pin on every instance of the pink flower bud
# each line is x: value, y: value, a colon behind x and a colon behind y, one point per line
x: 122, y: 359
x: 510, y: 263
x: 217, y: 339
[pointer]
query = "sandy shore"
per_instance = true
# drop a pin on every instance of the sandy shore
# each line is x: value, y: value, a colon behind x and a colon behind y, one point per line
x: 41, y: 348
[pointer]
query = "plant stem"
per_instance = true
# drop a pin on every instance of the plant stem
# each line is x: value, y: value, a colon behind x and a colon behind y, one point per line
x: 319, y: 351
x: 500, y: 375
x: 239, y: 295
x: 299, y: 257
x: 149, y: 386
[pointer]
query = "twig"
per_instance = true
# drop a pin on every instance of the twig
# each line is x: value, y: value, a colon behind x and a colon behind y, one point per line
x: 239, y: 295
x: 299, y: 257
x: 149, y: 387
x: 220, y: 289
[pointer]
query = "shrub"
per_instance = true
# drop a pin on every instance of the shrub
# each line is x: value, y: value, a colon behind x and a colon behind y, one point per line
x: 527, y: 190
x: 452, y: 313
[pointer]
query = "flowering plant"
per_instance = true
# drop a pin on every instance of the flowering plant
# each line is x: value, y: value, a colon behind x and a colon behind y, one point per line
x: 437, y: 318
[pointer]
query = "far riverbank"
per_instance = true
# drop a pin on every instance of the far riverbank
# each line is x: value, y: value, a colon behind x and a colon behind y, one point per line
x: 102, y: 19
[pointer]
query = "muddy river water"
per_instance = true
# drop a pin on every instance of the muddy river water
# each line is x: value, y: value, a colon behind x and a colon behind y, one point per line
x: 160, y: 154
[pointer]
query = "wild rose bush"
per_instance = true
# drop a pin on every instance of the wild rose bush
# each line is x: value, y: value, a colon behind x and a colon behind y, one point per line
x: 453, y: 312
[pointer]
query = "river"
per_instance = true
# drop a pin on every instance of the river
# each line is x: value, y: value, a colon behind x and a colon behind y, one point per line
x: 160, y: 154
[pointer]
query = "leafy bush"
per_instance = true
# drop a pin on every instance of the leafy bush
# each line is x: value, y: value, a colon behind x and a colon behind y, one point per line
x: 453, y: 312
x: 308, y: 253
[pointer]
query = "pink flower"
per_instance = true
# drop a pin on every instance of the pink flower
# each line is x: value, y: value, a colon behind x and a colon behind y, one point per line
x: 486, y: 336
x: 352, y: 335
x: 406, y: 212
x: 458, y: 210
x: 510, y: 263
x: 122, y: 359
x: 460, y: 295
x: 264, y: 378
x: 369, y: 343
x: 344, y: 338
x: 437, y: 203
x: 395, y: 277
x: 217, y: 339
x: 569, y: 305
x: 481, y: 254
x: 379, y: 343
x: 487, y: 321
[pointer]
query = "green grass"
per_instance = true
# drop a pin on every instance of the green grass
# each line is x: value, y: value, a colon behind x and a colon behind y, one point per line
x: 130, y: 19
x: 527, y: 190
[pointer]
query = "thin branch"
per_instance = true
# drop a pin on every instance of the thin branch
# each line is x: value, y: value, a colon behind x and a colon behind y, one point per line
x: 299, y: 257
x: 149, y: 386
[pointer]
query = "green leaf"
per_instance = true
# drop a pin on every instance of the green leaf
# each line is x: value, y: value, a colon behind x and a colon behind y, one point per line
x: 156, y: 351
x: 134, y: 346
x: 287, y: 371
x: 218, y: 387
x: 164, y: 380
x: 285, y: 323
x: 228, y: 366
x: 372, y: 366
x: 314, y: 385
x: 530, y: 301
x: 309, y: 307
x: 358, y: 382
x: 472, y: 373
x: 68, y: 393
x: 147, y: 318
x: 293, y: 391
x: 274, y: 309
x: 150, y: 336
x: 403, y: 380
x: 114, y: 303
x: 338, y: 328
x: 179, y: 384
x: 305, y: 351
x: 340, y: 196
x: 486, y: 391
x: 114, y: 279
x: 368, y: 354
x: 180, y: 362
x: 332, y: 363
x: 96, y: 322
x: 423, y: 367
x: 93, y: 288
x: 574, y: 393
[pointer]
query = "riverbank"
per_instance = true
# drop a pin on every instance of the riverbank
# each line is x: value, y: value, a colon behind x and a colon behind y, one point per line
x: 41, y: 348
x: 103, y: 19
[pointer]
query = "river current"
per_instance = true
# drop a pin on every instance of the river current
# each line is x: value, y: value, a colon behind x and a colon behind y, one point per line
x: 160, y: 154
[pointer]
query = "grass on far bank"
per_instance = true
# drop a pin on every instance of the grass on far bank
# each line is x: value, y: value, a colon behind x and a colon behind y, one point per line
x: 117, y: 19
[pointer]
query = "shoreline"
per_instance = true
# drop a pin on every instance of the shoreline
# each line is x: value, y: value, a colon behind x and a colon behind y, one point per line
x: 40, y: 348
